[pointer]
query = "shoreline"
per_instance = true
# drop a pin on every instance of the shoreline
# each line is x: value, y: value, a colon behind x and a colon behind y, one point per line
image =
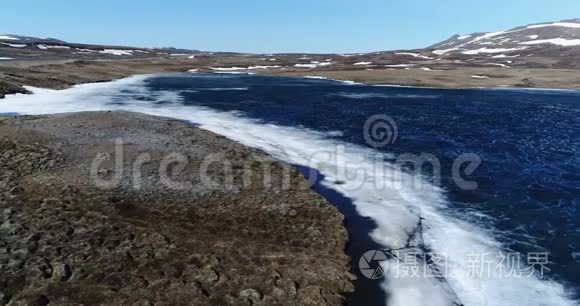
x: 60, y: 74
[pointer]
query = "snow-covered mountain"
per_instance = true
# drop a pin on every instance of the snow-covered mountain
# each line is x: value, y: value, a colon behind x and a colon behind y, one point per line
x: 524, y: 39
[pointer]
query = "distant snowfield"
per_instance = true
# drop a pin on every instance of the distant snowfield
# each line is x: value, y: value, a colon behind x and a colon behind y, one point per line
x: 492, y: 50
x: 116, y: 52
x: 305, y: 65
x: 14, y: 45
x: 429, y: 69
x: 44, y: 47
x: 362, y: 63
x: 228, y: 68
x: 8, y: 37
x: 5, y: 58
x: 498, y: 64
x: 463, y: 43
x: 555, y: 41
x: 443, y: 51
x: 264, y: 67
x: 316, y: 77
x: 399, y: 66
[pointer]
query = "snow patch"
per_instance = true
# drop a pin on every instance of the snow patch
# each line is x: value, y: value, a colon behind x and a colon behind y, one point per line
x: 443, y: 51
x: 15, y: 45
x: 306, y: 66
x: 264, y: 67
x: 52, y: 47
x: 316, y: 77
x: 494, y: 50
x: 234, y: 72
x: 399, y: 66
x: 116, y: 52
x: 227, y: 68
x: 6, y: 37
x: 347, y: 82
x: 414, y: 55
x: 498, y: 64
x: 362, y: 63
x: 554, y: 41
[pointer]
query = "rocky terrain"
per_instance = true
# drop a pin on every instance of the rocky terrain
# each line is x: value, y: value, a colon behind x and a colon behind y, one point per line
x: 66, y: 240
x: 540, y: 55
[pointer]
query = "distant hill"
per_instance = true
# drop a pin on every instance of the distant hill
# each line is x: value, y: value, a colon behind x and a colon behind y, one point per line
x: 19, y: 46
x: 553, y: 39
x: 541, y: 45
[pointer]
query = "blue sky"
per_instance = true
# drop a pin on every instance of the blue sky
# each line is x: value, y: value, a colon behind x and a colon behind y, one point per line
x: 272, y: 25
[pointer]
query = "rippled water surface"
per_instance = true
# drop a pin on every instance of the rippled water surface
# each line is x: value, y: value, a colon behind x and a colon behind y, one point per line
x: 528, y: 140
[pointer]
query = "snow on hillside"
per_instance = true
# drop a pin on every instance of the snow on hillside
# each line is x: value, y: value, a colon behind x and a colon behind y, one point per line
x: 558, y: 34
x: 554, y: 41
x: 6, y: 37
x: 116, y: 52
x: 14, y: 45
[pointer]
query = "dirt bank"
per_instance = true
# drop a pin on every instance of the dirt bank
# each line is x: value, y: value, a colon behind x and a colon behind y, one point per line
x: 79, y: 225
